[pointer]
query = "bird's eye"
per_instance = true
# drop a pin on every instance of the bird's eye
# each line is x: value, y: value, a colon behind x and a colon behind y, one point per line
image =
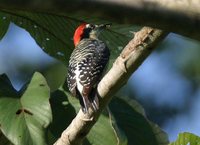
x: 91, y: 26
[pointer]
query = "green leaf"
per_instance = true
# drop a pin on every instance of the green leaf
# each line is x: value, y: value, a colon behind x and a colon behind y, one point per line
x: 129, y: 120
x: 161, y: 136
x: 120, y: 135
x: 55, y: 75
x: 186, y: 139
x: 52, y: 33
x: 4, y: 23
x: 25, y: 115
x: 102, y: 133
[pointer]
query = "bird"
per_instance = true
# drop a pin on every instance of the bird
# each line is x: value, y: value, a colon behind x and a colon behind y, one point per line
x: 87, y: 64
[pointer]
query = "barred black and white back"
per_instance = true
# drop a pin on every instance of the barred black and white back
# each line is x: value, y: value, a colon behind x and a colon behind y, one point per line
x: 86, y: 65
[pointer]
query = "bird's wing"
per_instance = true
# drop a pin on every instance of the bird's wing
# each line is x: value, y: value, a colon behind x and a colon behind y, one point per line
x: 71, y: 79
x: 92, y: 64
x: 92, y: 67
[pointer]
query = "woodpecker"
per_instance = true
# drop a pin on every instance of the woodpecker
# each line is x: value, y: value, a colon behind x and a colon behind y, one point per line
x: 86, y: 64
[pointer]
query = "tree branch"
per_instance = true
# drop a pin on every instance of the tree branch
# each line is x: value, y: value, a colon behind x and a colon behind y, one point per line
x: 129, y: 60
x: 179, y: 16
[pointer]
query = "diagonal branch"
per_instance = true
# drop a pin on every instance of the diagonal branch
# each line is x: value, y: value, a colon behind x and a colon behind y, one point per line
x: 129, y: 60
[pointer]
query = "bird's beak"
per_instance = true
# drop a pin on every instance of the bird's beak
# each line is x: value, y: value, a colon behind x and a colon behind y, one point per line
x: 103, y: 26
x: 98, y: 29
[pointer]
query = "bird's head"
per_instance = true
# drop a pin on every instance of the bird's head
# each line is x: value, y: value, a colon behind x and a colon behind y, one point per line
x: 88, y: 31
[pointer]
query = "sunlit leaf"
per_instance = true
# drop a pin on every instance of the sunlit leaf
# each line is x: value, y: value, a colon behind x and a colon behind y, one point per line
x: 25, y: 115
x: 186, y: 139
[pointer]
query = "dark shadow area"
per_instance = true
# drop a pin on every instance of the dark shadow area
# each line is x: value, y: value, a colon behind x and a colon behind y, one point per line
x: 6, y: 88
x: 63, y: 112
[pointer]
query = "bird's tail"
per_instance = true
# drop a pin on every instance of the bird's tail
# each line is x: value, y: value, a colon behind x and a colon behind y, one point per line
x: 94, y: 101
x: 91, y: 101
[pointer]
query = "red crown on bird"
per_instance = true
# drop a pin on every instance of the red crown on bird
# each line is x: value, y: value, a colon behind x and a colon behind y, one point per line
x: 78, y: 33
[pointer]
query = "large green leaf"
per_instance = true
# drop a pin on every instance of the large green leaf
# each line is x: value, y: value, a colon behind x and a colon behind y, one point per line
x: 186, y: 139
x: 128, y: 118
x: 54, y: 33
x: 25, y: 115
x: 102, y: 133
